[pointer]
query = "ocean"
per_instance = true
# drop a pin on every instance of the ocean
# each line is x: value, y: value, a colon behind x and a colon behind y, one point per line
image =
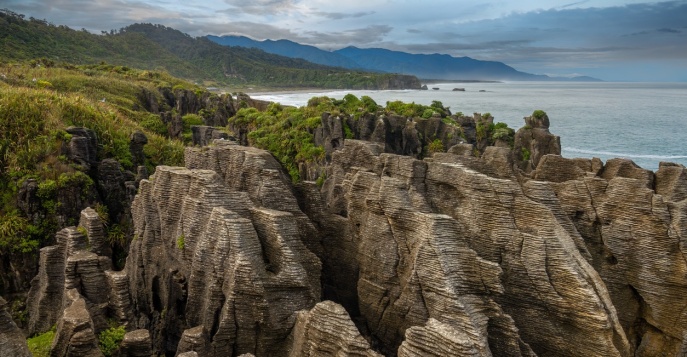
x: 644, y: 122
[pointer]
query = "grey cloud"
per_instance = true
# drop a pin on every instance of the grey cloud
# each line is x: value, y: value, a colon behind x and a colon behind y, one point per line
x: 341, y: 15
x: 413, y: 31
x: 441, y: 47
x: 667, y: 30
x: 360, y: 36
x: 258, y: 7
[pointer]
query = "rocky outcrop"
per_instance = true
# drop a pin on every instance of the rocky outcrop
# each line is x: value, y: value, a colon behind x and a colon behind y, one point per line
x: 221, y: 252
x: 327, y: 330
x: 76, y: 335
x: 534, y: 141
x: 76, y: 290
x: 635, y: 238
x: 205, y: 135
x: 478, y: 251
x: 12, y: 340
x: 136, y: 344
x: 82, y: 147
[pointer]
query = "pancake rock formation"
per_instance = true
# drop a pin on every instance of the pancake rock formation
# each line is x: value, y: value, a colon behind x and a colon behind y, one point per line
x: 504, y: 254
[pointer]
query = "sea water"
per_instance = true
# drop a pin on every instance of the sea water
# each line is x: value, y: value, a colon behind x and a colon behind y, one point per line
x: 644, y: 122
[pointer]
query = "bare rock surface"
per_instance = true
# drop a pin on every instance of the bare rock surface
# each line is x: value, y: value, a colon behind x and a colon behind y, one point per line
x: 136, y: 344
x: 75, y: 336
x: 12, y: 340
x: 219, y: 262
x: 635, y: 236
x: 422, y: 227
x: 327, y: 330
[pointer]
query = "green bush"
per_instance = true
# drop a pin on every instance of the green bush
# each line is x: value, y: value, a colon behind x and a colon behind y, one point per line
x: 501, y: 131
x: 39, y: 345
x: 435, y: 146
x: 154, y: 124
x: 110, y: 339
x: 539, y: 114
x: 191, y: 119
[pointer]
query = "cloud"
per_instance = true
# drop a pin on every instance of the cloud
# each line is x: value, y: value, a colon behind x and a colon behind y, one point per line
x: 335, y: 40
x: 667, y: 30
x: 341, y: 15
x: 259, y: 7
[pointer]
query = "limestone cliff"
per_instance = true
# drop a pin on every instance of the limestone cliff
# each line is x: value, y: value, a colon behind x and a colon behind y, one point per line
x: 452, y: 255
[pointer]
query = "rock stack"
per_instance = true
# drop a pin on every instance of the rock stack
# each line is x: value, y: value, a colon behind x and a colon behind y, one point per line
x: 453, y: 255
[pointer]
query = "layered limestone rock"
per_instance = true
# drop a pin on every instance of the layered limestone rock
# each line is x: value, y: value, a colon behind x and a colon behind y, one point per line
x: 453, y: 255
x: 219, y: 261
x: 75, y: 335
x: 136, y: 344
x: 76, y: 290
x: 327, y: 330
x: 636, y: 240
x: 12, y: 340
x: 472, y: 250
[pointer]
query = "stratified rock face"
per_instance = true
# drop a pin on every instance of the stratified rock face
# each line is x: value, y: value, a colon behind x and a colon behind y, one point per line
x: 221, y: 252
x: 82, y: 147
x: 48, y: 287
x: 75, y: 336
x: 136, y: 344
x: 636, y: 240
x: 76, y: 290
x: 12, y: 340
x: 327, y: 330
x: 476, y: 252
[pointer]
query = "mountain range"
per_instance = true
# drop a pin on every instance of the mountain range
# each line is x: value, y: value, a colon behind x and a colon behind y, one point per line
x: 157, y: 47
x: 432, y: 66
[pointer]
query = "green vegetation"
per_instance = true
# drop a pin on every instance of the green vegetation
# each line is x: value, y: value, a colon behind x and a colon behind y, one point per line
x: 435, y: 146
x: 110, y: 339
x: 417, y: 110
x: 539, y: 114
x: 108, y: 99
x: 39, y: 345
x: 284, y: 131
x: 501, y: 131
x: 155, y: 47
x: 525, y: 154
x: 181, y: 242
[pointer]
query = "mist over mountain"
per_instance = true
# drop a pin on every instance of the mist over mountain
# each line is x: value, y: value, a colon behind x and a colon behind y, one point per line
x: 433, y: 66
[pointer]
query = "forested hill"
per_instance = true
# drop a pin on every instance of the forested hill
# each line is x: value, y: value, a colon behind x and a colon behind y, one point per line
x: 148, y: 46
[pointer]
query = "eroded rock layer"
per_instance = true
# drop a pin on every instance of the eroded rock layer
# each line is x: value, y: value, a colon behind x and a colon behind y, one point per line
x: 518, y: 252
x: 229, y: 264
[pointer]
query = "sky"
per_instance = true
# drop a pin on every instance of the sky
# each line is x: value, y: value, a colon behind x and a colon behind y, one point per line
x: 615, y: 40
